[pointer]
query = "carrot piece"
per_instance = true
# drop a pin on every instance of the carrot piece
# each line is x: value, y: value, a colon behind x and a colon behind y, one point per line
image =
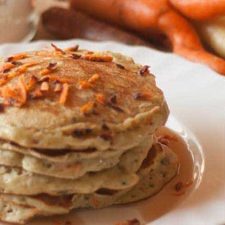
x: 94, y: 78
x: 100, y: 98
x: 32, y: 81
x: 97, y: 58
x: 3, y: 80
x: 83, y: 84
x: 16, y: 57
x: 45, y: 71
x: 57, y: 78
x: 23, y: 90
x: 87, y: 108
x: 6, y: 67
x: 64, y: 94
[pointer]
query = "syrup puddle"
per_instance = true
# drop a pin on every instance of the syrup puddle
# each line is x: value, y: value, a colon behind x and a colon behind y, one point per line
x: 179, y: 187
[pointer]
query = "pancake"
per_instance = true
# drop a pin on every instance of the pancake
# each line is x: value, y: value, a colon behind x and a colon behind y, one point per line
x: 129, y: 160
x: 66, y: 155
x: 118, y: 177
x: 14, y: 213
x: 160, y: 166
x: 77, y: 131
x: 130, y: 95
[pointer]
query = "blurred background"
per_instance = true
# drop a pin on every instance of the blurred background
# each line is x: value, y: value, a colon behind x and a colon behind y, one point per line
x: 189, y: 28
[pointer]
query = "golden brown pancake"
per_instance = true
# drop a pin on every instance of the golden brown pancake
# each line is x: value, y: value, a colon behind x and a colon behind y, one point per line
x: 77, y: 130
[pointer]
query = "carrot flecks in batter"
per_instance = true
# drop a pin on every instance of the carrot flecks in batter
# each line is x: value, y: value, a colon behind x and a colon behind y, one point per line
x: 23, y: 90
x: 32, y: 81
x: 61, y: 79
x: 16, y: 57
x: 3, y: 80
x: 88, y: 107
x: 97, y: 57
x: 6, y: 67
x: 100, y: 98
x: 83, y: 84
x: 94, y: 78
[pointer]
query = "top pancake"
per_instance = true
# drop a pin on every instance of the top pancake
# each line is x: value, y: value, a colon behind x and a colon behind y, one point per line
x: 75, y: 92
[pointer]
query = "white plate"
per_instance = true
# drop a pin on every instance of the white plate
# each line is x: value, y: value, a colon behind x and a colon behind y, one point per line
x: 196, y: 96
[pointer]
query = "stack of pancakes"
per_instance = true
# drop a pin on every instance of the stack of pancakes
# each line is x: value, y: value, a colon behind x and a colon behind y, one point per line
x: 77, y: 130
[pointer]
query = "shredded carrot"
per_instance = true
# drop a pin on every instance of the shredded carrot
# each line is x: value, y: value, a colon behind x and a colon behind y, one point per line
x: 32, y: 81
x: 57, y: 78
x: 23, y: 90
x: 15, y: 95
x: 87, y: 108
x: 44, y: 86
x: 23, y: 68
x: 97, y: 58
x: 64, y: 94
x: 100, y: 98
x: 6, y: 67
x: 45, y: 71
x: 3, y: 80
x: 84, y: 84
x: 16, y: 57
x: 94, y: 78
x: 7, y: 92
x: 12, y: 75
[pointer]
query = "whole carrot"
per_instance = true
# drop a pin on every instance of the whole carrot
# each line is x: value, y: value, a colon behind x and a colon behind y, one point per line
x: 200, y: 9
x: 145, y: 16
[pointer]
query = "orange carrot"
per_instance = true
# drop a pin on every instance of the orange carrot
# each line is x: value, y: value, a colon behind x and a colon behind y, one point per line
x: 200, y: 9
x: 64, y: 94
x: 23, y: 90
x: 145, y: 16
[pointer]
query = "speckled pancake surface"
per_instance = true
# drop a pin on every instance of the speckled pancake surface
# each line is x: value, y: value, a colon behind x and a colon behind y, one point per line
x: 151, y: 181
x: 73, y: 170
x: 104, y: 91
x: 118, y: 177
x: 77, y: 130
